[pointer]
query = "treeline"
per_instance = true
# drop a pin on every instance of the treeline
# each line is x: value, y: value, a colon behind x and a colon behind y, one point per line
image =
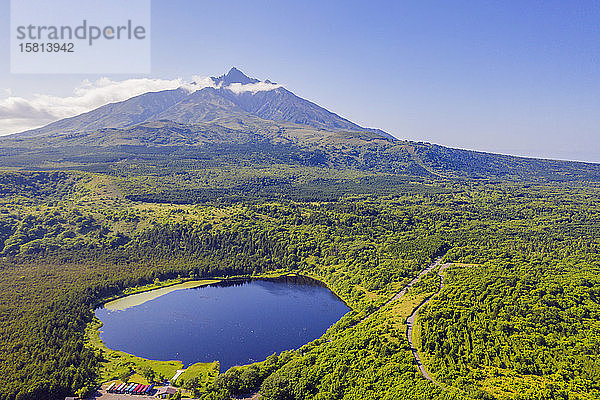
x: 260, y: 190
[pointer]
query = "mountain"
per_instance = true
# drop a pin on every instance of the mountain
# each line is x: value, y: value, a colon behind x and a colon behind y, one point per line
x: 233, y: 95
x: 205, y: 105
x: 234, y: 76
x: 126, y: 113
x: 282, y: 105
x: 238, y: 120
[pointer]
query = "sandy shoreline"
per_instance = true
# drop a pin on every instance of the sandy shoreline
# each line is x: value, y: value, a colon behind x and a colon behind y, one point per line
x: 140, y: 298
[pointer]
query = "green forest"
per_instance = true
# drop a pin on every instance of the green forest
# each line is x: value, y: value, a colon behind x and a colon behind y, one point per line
x: 518, y: 316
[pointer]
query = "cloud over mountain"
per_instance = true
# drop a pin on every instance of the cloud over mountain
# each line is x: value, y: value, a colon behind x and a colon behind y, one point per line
x: 252, y: 87
x: 19, y: 113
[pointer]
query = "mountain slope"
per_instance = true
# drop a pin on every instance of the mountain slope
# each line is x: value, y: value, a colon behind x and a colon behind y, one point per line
x: 233, y: 95
x: 284, y: 106
x: 115, y: 115
x: 259, y: 143
x: 243, y: 121
x: 204, y: 105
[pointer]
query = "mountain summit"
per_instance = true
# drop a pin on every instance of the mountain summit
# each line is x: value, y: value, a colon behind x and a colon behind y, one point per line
x: 234, y: 95
x: 234, y: 76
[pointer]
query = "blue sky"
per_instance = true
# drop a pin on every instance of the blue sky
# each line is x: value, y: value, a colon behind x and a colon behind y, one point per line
x: 511, y: 77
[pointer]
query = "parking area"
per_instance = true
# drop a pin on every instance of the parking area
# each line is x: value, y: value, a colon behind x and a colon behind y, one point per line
x: 156, y: 392
x: 102, y: 395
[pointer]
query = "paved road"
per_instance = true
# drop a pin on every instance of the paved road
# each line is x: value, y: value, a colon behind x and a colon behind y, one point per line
x: 412, y: 283
x: 400, y: 293
x: 177, y: 375
x: 411, y: 320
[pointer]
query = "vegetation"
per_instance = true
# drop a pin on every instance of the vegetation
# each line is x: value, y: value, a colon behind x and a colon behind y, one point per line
x: 123, y: 366
x: 520, y: 321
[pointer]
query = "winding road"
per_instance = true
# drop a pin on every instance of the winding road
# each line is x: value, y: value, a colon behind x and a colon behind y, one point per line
x: 411, y: 320
x: 412, y: 283
x: 403, y: 291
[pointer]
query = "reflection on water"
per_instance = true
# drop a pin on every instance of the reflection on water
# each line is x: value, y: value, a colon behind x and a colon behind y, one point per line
x: 235, y: 322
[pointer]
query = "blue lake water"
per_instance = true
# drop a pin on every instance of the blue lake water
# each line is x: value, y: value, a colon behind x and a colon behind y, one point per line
x: 234, y: 323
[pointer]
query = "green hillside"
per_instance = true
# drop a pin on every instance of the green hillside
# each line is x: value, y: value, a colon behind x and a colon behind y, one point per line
x: 214, y: 184
x: 174, y: 147
x: 517, y: 318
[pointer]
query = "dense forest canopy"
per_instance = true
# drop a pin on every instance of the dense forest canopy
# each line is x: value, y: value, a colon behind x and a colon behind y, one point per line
x: 518, y: 317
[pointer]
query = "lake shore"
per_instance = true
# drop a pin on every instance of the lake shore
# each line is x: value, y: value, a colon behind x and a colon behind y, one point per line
x: 132, y: 300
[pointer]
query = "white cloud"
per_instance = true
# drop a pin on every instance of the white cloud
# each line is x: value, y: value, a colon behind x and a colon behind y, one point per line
x: 18, y: 114
x: 12, y: 125
x: 238, y: 88
x: 199, y: 82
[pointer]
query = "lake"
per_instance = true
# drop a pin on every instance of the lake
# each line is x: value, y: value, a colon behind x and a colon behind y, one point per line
x: 236, y: 323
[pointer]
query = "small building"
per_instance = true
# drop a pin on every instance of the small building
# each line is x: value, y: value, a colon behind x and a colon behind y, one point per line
x: 165, y: 392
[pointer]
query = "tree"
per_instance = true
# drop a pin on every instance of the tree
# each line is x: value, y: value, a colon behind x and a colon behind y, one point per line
x: 124, y: 375
x: 149, y: 374
x: 85, y: 391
